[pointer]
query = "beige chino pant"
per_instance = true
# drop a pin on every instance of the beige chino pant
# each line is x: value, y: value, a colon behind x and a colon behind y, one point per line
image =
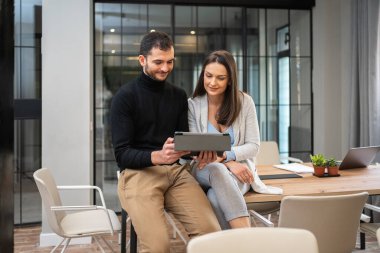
x: 145, y: 193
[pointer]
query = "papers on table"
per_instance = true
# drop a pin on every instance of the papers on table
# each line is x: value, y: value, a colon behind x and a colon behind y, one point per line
x: 295, y: 167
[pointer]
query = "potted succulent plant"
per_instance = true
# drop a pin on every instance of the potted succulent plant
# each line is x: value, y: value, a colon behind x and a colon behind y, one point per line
x: 319, y: 164
x: 332, y: 167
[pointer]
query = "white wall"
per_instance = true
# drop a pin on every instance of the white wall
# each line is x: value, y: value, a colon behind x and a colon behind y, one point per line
x: 331, y: 72
x: 67, y: 64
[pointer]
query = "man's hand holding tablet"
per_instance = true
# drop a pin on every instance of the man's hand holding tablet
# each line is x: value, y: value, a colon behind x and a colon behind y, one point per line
x: 207, y: 147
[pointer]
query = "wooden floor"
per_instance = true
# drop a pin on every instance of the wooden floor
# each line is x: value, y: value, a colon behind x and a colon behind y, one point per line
x: 26, y: 240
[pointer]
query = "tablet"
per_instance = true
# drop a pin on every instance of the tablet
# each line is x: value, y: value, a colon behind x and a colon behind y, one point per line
x: 196, y: 142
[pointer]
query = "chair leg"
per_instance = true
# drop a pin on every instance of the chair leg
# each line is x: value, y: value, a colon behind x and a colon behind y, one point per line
x: 253, y: 221
x: 123, y: 230
x: 133, y: 240
x: 128, y: 244
x: 175, y: 228
x: 362, y: 240
x: 98, y: 243
x: 107, y: 243
x: 66, y: 244
x: 56, y: 246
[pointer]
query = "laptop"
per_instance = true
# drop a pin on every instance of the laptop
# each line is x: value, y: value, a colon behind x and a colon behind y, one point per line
x: 359, y: 157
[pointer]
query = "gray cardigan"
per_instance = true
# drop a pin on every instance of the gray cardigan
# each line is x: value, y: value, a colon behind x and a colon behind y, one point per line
x: 246, y: 129
x: 246, y: 134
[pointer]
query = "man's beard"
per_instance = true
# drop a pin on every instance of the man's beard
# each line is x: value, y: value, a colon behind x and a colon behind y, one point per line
x: 153, y: 75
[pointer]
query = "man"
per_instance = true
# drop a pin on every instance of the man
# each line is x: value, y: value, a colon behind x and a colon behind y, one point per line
x: 145, y: 113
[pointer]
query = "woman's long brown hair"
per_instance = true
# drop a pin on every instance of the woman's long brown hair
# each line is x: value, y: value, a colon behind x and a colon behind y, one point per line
x: 231, y: 105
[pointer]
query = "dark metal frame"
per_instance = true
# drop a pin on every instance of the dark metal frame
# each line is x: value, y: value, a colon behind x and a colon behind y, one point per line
x: 271, y: 4
x: 6, y: 124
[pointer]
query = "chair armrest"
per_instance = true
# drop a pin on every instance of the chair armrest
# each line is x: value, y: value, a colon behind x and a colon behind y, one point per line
x: 77, y: 187
x: 365, y: 218
x: 291, y: 159
x: 73, y: 208
x: 372, y: 207
x: 264, y: 220
x: 84, y: 187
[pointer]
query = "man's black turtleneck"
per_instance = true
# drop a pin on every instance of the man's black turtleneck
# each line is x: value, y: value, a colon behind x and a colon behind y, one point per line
x: 144, y: 113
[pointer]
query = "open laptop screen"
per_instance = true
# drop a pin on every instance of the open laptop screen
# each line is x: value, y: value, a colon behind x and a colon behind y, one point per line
x: 359, y: 157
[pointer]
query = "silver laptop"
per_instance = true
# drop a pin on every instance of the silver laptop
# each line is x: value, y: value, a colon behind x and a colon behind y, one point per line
x: 359, y: 157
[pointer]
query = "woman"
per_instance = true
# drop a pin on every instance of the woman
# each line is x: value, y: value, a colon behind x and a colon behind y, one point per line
x: 217, y: 105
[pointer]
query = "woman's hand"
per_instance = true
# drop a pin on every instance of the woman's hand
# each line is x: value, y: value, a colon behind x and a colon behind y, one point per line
x: 241, y: 171
x: 220, y: 159
x: 205, y: 157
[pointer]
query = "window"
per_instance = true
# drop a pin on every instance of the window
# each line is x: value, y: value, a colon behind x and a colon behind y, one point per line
x: 27, y: 94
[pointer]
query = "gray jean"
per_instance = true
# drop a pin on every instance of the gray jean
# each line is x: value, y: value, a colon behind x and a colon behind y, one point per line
x: 224, y: 191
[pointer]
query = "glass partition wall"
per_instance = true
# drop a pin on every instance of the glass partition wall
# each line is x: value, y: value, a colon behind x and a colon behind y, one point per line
x: 272, y: 48
x: 27, y: 124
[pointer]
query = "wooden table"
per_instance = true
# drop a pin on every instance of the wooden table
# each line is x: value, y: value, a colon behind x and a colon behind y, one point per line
x: 349, y: 181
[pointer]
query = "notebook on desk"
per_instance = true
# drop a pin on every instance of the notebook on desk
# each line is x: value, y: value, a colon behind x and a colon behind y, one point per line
x: 279, y: 176
x: 295, y: 167
x: 359, y: 157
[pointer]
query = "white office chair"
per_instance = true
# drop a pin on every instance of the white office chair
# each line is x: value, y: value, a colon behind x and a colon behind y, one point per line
x: 74, y: 221
x: 268, y: 155
x: 367, y: 227
x: 334, y: 220
x: 248, y: 240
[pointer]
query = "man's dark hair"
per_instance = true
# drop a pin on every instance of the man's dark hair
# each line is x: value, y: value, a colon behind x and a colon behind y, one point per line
x: 155, y: 39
